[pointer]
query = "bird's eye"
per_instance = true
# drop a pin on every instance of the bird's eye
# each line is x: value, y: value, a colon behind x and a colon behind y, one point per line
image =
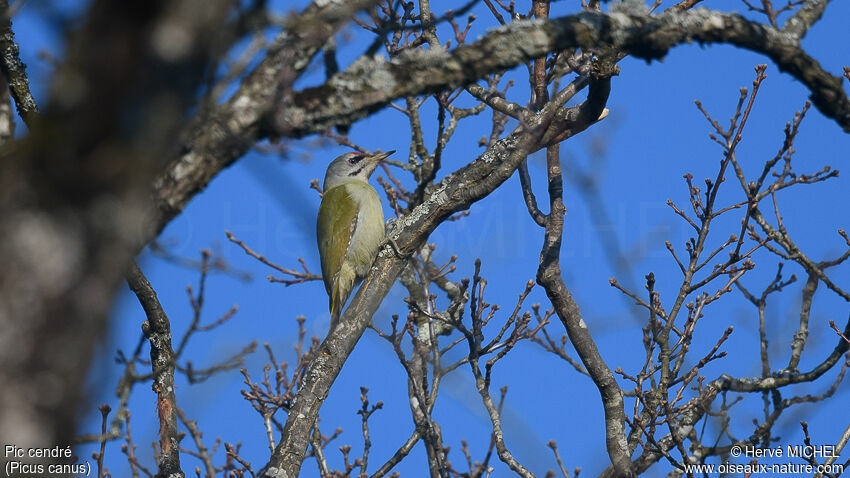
x: 355, y: 158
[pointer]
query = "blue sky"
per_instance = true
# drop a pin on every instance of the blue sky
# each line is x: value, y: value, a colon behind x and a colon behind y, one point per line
x: 652, y: 137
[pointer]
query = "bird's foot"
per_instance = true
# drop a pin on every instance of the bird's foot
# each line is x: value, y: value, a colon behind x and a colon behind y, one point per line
x: 389, y: 225
x: 389, y: 240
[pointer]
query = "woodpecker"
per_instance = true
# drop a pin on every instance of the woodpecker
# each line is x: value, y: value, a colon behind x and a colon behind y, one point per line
x: 350, y: 226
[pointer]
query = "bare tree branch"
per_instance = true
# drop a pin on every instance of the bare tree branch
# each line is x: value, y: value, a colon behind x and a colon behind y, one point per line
x: 157, y: 329
x: 549, y: 276
x: 371, y: 83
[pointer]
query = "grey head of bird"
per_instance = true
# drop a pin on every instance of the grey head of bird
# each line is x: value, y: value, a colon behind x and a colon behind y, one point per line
x: 352, y: 167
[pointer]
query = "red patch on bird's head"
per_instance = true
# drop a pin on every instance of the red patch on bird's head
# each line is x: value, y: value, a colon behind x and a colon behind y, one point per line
x: 355, y: 157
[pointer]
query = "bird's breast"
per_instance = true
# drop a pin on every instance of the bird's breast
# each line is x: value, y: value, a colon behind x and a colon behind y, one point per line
x: 369, y: 230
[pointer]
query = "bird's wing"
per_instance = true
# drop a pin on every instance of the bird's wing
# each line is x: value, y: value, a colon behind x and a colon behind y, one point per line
x: 333, y: 229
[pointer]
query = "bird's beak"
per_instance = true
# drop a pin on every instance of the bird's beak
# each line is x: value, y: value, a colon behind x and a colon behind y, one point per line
x: 380, y: 157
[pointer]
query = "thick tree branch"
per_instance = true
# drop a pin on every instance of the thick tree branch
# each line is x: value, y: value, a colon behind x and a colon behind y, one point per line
x: 549, y: 277
x: 810, y: 12
x: 215, y: 141
x: 549, y: 270
x: 157, y: 329
x: 371, y: 83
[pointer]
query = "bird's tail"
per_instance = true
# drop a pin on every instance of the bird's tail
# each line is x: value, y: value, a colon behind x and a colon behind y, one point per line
x: 339, y: 294
x: 335, y: 313
x: 337, y: 301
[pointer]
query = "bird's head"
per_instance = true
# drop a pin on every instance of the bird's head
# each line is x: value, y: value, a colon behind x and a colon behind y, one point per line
x: 352, y: 166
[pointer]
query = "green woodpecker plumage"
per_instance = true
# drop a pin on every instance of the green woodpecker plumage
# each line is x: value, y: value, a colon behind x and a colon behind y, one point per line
x: 350, y: 226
